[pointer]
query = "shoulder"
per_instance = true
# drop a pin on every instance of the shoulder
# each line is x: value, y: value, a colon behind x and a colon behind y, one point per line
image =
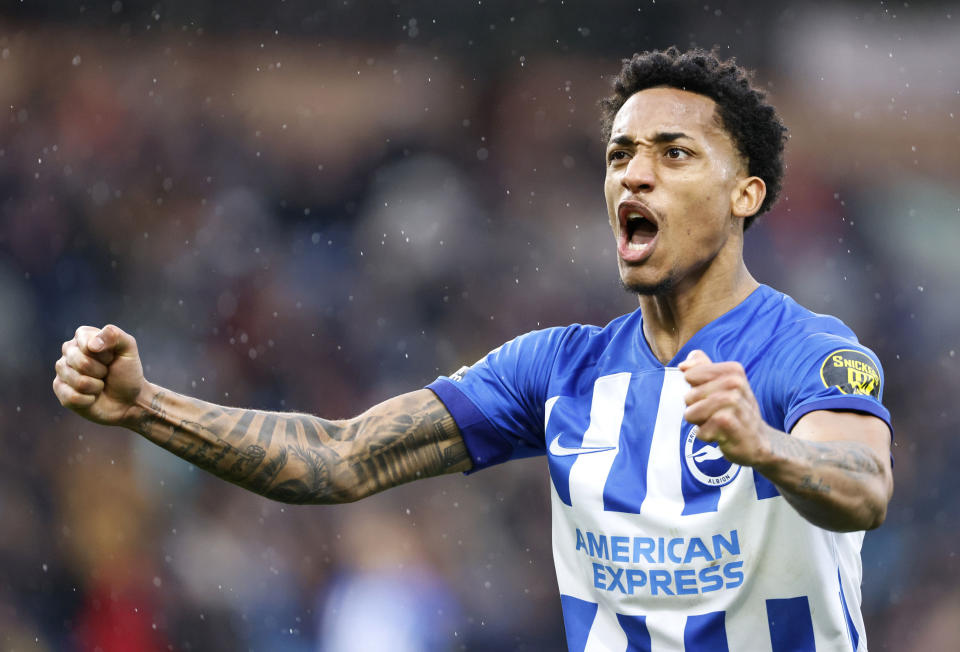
x: 579, y: 337
x: 822, y: 347
x: 780, y: 320
x: 801, y: 330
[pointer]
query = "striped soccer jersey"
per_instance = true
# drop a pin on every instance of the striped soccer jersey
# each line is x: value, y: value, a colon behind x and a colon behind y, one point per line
x: 659, y: 542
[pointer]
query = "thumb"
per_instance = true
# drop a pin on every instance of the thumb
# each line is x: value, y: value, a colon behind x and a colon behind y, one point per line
x: 112, y: 338
x: 694, y: 358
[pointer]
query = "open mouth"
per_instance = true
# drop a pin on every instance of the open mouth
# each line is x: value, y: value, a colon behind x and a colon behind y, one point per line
x: 638, y: 231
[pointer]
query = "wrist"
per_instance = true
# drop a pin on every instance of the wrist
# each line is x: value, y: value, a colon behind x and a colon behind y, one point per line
x: 144, y: 404
x: 768, y: 457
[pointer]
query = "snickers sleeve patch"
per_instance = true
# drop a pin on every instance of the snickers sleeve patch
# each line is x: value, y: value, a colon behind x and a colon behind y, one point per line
x: 824, y: 371
x: 851, y: 372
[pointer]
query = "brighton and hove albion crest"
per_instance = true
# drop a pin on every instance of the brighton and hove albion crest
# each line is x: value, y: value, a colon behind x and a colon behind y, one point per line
x: 705, y: 461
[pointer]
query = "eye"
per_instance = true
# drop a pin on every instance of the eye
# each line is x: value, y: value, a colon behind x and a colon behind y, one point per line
x: 677, y: 153
x: 617, y: 155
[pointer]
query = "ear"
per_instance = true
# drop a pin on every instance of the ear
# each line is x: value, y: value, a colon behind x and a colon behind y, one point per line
x: 747, y: 196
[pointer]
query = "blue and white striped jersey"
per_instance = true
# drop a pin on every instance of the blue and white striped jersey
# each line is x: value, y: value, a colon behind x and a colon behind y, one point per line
x: 660, y: 543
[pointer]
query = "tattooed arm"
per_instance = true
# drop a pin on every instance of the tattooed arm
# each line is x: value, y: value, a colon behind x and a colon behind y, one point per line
x: 834, y: 468
x: 293, y: 458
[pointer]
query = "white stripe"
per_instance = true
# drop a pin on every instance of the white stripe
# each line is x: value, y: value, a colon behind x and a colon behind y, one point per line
x: 548, y: 410
x: 666, y: 630
x: 747, y: 626
x: 664, y: 498
x: 572, y: 578
x: 588, y: 474
x: 606, y: 634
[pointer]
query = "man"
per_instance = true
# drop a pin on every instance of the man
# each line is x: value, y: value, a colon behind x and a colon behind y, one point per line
x: 715, y: 456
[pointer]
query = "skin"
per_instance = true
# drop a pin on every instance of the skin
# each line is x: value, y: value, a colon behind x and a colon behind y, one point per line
x: 834, y: 468
x: 292, y: 458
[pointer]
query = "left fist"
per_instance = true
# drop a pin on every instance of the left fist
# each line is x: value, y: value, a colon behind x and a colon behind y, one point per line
x: 721, y: 403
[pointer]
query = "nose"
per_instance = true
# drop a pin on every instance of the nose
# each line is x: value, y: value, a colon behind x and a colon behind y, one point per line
x: 639, y: 175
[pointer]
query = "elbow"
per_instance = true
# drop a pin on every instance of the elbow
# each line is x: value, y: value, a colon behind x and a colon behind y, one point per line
x: 873, y: 510
x: 877, y: 517
x: 304, y: 495
x: 866, y: 516
x: 324, y: 474
x: 878, y: 512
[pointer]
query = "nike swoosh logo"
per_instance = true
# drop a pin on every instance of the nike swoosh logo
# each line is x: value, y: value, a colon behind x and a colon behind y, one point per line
x: 560, y: 451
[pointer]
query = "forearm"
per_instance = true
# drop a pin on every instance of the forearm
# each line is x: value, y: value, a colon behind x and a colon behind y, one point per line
x: 840, y: 485
x: 298, y: 458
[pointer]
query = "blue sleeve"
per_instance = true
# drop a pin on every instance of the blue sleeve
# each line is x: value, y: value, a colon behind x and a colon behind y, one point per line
x: 830, y: 371
x: 498, y: 403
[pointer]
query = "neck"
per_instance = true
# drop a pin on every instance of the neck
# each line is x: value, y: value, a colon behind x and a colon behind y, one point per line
x: 670, y: 320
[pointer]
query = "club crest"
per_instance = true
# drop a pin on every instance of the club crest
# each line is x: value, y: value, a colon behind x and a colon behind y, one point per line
x: 706, y: 463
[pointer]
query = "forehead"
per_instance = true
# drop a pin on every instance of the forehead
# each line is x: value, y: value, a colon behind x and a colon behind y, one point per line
x: 665, y: 109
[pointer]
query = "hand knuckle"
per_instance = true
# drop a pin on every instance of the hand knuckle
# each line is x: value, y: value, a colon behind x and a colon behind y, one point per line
x: 725, y: 420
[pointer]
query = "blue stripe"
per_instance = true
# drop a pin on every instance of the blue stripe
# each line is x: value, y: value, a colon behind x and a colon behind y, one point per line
x: 636, y: 434
x: 698, y: 498
x: 635, y: 627
x: 791, y: 626
x: 578, y: 618
x: 765, y: 488
x: 569, y: 420
x: 706, y: 632
x: 854, y: 634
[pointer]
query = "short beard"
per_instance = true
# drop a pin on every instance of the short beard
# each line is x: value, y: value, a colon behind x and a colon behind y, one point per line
x: 664, y: 287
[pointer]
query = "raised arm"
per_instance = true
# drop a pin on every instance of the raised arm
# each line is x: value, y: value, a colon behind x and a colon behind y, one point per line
x: 293, y: 458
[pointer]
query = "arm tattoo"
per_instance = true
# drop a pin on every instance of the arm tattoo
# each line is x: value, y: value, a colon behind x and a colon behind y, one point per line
x: 851, y: 458
x: 297, y: 458
x: 837, y: 485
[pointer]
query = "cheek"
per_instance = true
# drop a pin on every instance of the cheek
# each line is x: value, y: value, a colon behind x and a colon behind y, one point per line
x: 609, y: 187
x: 610, y: 198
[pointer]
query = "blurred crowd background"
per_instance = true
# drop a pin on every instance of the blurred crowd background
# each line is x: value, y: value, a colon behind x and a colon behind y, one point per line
x: 314, y: 206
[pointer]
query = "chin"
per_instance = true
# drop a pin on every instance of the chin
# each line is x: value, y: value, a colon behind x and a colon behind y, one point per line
x: 659, y: 288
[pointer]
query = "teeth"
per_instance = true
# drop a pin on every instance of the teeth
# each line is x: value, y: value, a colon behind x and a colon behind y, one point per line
x: 636, y: 246
x: 634, y: 216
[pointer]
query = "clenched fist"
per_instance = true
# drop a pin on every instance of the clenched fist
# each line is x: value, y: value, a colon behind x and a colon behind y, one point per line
x: 721, y: 403
x: 99, y: 375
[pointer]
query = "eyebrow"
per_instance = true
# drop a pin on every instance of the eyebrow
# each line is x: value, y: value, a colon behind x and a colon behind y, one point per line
x: 658, y: 138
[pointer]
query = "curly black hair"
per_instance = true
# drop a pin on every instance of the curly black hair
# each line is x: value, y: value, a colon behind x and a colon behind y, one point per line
x: 751, y: 122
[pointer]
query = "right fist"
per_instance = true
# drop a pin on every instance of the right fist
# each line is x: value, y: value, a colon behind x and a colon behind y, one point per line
x: 99, y: 375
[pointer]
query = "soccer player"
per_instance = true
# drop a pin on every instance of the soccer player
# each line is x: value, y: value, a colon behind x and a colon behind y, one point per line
x: 715, y: 456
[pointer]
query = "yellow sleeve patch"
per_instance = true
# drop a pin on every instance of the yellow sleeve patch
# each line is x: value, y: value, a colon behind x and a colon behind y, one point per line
x: 852, y: 372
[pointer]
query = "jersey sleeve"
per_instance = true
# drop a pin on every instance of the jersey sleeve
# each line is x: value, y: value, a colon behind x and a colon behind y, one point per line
x: 830, y: 371
x: 498, y: 403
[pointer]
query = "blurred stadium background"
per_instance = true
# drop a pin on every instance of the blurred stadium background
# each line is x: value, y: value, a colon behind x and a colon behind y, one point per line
x: 317, y: 205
